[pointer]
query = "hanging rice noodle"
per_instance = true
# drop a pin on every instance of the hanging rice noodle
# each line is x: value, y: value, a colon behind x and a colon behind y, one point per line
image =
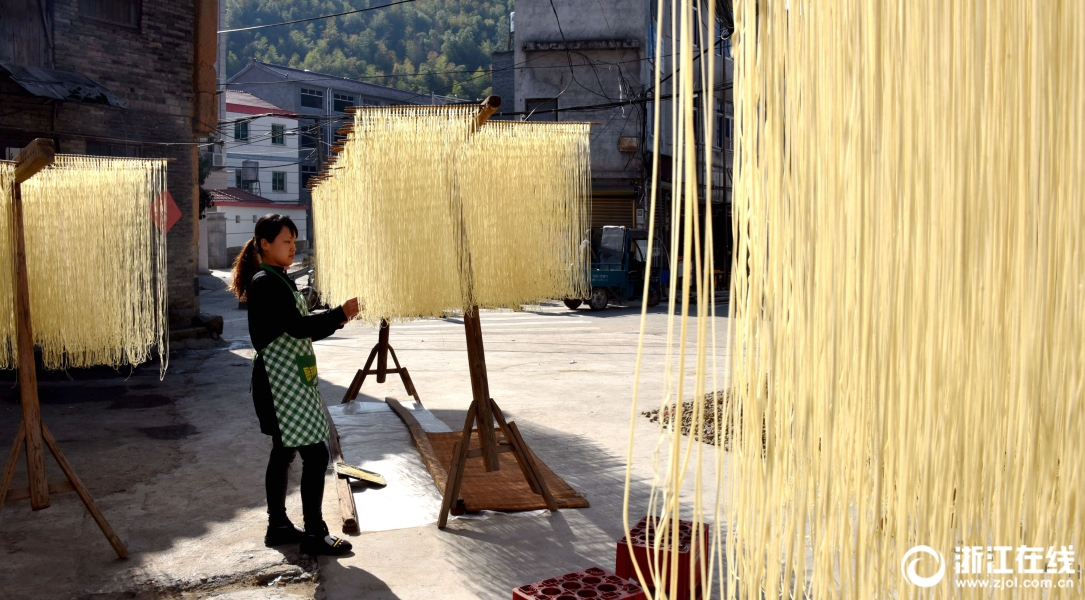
x: 422, y: 215
x: 906, y: 343
x: 523, y: 188
x: 96, y: 263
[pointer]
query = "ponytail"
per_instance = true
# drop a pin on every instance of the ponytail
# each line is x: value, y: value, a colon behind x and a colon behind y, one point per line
x: 245, y: 266
x: 248, y: 261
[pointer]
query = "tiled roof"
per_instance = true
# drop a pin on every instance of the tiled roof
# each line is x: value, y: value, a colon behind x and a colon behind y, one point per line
x: 247, y: 99
x: 341, y: 83
x: 238, y: 197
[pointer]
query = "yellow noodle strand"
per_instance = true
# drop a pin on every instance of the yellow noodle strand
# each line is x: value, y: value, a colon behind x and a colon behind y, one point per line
x: 906, y: 329
x: 422, y: 215
x: 96, y: 263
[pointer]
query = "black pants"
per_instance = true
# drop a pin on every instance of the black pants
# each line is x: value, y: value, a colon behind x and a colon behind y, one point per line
x: 314, y: 464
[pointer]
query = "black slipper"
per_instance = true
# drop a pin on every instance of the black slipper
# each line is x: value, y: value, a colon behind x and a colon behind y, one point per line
x: 324, y: 544
x: 282, y: 535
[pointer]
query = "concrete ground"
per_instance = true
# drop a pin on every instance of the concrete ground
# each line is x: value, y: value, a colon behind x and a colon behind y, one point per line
x: 177, y: 465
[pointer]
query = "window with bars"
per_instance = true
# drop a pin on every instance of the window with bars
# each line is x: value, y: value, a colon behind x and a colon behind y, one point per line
x: 241, y: 130
x: 277, y: 135
x: 311, y: 98
x: 278, y: 181
x: 342, y: 101
x: 119, y: 12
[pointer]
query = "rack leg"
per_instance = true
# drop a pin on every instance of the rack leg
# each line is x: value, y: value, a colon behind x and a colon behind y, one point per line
x: 9, y: 471
x: 84, y: 495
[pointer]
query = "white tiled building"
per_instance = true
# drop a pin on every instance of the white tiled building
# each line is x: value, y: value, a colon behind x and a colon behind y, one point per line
x: 264, y: 137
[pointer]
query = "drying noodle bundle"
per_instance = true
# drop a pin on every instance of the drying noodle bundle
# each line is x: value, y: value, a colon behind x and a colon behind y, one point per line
x: 423, y: 215
x: 906, y: 332
x: 96, y: 263
x: 523, y: 190
x: 387, y: 231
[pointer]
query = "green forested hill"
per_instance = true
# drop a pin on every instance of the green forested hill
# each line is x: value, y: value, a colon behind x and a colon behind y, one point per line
x: 411, y: 46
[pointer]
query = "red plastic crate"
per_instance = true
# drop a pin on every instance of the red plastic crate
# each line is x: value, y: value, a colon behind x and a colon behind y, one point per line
x: 593, y: 583
x: 644, y: 556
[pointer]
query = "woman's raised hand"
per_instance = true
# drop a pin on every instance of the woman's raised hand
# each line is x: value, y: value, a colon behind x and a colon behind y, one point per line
x: 350, y: 308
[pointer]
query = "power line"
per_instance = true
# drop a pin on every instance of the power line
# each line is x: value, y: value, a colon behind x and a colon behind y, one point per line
x: 349, y: 12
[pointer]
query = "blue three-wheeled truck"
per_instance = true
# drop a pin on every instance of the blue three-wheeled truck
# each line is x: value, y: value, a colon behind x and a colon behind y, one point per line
x: 618, y: 269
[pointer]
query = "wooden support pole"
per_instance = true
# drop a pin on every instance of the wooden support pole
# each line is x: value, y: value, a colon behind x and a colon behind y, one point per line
x: 486, y: 110
x: 37, y: 155
x: 480, y: 391
x: 382, y: 352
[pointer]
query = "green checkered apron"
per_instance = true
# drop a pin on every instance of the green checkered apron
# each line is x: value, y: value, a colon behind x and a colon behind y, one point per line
x: 291, y: 369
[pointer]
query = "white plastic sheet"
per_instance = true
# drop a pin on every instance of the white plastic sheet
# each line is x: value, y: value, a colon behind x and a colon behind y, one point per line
x: 374, y: 438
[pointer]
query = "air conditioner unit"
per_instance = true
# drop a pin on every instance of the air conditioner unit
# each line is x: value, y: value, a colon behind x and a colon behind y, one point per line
x: 218, y: 159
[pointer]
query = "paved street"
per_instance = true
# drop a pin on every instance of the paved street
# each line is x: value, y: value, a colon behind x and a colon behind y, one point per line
x: 178, y: 465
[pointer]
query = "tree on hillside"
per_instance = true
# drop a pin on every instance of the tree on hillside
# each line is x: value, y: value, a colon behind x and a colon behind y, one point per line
x: 439, y: 46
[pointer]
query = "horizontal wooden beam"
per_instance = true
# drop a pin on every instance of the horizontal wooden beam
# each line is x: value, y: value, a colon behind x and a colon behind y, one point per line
x: 57, y: 487
x: 36, y: 156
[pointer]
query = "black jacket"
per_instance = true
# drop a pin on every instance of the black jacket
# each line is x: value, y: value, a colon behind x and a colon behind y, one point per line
x: 272, y: 312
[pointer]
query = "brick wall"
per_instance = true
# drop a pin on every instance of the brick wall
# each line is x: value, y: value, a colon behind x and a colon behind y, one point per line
x: 151, y: 69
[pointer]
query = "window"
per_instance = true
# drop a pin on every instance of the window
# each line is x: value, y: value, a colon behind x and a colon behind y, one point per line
x: 698, y: 126
x: 237, y: 218
x: 308, y: 135
x: 307, y: 171
x: 696, y: 27
x: 120, y: 12
x: 254, y: 218
x: 541, y: 109
x: 718, y: 129
x: 312, y: 98
x: 729, y: 126
x: 277, y: 132
x: 342, y: 101
x: 237, y: 179
x: 278, y: 181
x: 241, y: 130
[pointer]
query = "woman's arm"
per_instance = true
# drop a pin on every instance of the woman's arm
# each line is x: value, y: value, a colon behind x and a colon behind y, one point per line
x: 272, y: 308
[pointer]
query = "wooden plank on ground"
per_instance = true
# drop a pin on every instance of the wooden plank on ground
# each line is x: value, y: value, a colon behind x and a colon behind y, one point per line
x: 347, y: 508
x: 421, y: 441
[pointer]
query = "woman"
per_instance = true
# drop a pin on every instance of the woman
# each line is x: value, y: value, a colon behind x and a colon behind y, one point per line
x: 284, y: 380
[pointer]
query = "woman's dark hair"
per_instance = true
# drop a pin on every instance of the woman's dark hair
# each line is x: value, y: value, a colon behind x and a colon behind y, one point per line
x: 248, y: 261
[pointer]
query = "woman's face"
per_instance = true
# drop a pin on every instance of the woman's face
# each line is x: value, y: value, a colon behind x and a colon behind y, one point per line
x: 279, y: 253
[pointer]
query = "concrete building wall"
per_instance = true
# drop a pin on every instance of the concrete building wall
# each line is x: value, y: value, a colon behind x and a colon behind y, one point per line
x: 586, y: 74
x: 238, y: 223
x: 151, y: 68
x: 504, y: 82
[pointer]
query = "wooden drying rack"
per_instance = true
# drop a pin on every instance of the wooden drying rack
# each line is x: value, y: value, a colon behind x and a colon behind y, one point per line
x: 481, y: 414
x: 32, y: 432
